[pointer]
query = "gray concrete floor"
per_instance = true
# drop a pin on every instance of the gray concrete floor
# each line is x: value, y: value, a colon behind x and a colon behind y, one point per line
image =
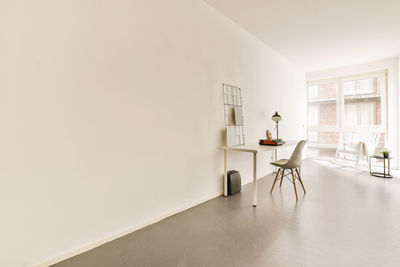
x: 347, y: 218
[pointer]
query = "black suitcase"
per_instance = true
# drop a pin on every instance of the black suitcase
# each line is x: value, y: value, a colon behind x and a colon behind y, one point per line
x: 234, y: 182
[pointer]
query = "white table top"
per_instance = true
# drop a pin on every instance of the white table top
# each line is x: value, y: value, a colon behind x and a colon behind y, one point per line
x: 256, y: 148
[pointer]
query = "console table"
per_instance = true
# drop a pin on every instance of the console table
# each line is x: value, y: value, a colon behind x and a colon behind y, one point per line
x: 254, y: 149
x: 381, y: 174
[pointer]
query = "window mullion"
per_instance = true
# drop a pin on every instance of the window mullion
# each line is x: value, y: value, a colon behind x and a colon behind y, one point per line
x: 340, y: 105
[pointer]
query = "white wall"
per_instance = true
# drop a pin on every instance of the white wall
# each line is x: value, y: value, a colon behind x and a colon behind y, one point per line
x: 111, y: 115
x: 392, y: 67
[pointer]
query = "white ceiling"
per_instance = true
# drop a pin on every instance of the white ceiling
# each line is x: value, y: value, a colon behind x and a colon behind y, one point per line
x: 320, y: 34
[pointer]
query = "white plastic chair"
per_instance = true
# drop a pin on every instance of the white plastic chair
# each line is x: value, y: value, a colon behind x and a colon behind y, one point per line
x: 293, y: 164
x: 352, y: 149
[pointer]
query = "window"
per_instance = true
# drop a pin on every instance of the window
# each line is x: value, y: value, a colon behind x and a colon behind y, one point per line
x: 342, y: 105
x: 360, y: 86
x: 312, y: 92
x: 313, y: 112
x: 360, y: 114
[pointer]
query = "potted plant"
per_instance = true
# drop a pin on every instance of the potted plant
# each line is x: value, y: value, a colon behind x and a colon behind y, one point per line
x: 385, y: 153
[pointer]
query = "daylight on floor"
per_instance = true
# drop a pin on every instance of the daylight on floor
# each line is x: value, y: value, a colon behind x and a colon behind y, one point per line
x: 200, y: 133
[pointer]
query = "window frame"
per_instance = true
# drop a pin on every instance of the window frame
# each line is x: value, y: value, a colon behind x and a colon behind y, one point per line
x: 341, y: 126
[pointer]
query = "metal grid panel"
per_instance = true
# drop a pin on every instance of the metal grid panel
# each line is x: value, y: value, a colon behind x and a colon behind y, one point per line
x: 233, y: 99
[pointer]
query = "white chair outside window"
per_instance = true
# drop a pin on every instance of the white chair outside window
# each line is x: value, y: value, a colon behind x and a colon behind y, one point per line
x: 358, y: 146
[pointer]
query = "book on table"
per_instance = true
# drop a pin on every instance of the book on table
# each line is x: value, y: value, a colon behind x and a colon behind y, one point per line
x: 269, y: 142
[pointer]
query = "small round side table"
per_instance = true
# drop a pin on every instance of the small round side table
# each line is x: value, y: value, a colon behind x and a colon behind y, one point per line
x: 381, y: 174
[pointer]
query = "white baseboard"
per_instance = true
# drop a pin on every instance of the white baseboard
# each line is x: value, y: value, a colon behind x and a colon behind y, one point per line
x: 114, y: 236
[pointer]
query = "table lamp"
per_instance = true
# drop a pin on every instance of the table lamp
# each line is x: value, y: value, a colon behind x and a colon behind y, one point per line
x: 276, y: 117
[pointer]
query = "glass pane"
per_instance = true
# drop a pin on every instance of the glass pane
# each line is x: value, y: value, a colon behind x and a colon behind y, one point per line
x: 360, y: 86
x: 367, y: 86
x: 362, y: 113
x: 322, y: 104
x: 325, y: 91
x: 313, y: 118
x: 319, y: 152
x: 322, y: 113
x: 349, y: 87
x: 381, y: 142
x: 313, y: 137
x: 350, y: 113
x: 367, y: 113
x: 328, y: 139
x: 322, y: 144
x: 323, y: 139
x: 312, y: 92
x: 362, y: 102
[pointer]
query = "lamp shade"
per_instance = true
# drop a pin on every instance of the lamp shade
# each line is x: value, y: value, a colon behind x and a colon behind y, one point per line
x: 276, y: 116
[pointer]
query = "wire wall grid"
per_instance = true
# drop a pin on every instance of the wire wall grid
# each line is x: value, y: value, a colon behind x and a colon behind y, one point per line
x: 233, y: 110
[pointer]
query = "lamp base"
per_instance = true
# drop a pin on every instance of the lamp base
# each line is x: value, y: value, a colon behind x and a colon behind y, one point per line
x: 277, y: 140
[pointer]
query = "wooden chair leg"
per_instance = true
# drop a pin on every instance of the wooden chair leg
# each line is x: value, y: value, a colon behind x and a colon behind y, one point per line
x: 301, y: 181
x: 294, y: 185
x: 276, y: 178
x: 283, y: 173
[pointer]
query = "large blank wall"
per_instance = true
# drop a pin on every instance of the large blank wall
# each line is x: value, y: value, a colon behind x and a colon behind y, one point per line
x: 112, y: 114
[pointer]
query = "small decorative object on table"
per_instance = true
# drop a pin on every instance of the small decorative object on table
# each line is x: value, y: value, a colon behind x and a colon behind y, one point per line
x: 269, y: 135
x: 385, y: 153
x: 268, y: 142
x: 385, y: 156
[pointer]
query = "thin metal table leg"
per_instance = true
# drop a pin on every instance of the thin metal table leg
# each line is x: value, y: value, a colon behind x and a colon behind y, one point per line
x: 384, y: 167
x: 255, y: 179
x: 225, y: 173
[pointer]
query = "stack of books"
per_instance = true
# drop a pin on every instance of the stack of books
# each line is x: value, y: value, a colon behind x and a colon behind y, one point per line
x: 270, y: 142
